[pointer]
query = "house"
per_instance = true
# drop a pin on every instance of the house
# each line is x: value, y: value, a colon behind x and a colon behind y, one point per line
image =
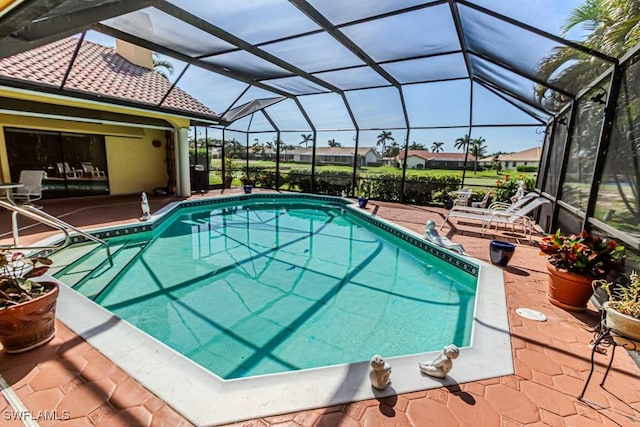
x: 337, y: 155
x: 424, y: 159
x: 112, y: 111
x: 528, y: 157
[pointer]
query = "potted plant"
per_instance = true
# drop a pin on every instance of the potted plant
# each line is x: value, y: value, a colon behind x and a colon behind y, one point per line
x: 228, y: 172
x: 27, y: 308
x: 623, y: 308
x: 247, y: 184
x: 574, y: 261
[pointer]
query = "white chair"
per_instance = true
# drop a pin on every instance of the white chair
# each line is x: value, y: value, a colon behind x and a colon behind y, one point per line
x: 464, y: 196
x: 520, y: 217
x: 31, y: 189
x: 484, y: 202
x: 90, y: 170
x: 64, y: 170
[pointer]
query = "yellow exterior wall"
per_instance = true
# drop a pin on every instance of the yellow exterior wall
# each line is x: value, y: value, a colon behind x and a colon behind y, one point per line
x: 134, y: 164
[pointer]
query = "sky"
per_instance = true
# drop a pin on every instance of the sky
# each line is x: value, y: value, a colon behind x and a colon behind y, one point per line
x: 444, y: 104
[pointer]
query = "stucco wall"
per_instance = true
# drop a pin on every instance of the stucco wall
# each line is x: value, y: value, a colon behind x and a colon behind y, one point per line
x: 135, y: 165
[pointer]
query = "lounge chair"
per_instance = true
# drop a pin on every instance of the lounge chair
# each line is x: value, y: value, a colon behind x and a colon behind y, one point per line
x: 514, y: 214
x: 484, y: 202
x: 519, y: 217
x: 90, y: 170
x: 31, y: 189
x: 493, y: 207
x: 64, y: 170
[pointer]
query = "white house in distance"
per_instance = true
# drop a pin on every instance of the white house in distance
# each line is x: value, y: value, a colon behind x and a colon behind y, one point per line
x: 336, y: 155
x: 425, y: 159
x: 528, y: 157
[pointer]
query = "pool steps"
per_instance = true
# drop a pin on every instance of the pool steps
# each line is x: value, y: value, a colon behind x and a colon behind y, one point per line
x: 85, y: 268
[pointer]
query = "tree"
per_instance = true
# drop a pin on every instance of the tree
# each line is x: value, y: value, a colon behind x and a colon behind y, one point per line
x: 478, y: 150
x: 495, y: 163
x: 462, y: 143
x: 392, y: 150
x: 614, y: 28
x: 436, y: 147
x: 159, y: 64
x: 415, y: 146
x: 306, y: 139
x: 334, y: 143
x: 383, y: 138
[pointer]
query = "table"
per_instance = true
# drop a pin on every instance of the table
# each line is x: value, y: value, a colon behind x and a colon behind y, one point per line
x: 605, y: 337
x: 8, y: 188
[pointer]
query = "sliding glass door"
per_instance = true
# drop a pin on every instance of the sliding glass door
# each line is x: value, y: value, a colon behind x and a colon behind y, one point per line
x: 75, y: 164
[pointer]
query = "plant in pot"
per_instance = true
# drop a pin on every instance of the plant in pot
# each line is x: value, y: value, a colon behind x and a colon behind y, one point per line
x: 247, y: 184
x: 27, y: 308
x: 228, y: 172
x: 574, y: 261
x: 623, y: 307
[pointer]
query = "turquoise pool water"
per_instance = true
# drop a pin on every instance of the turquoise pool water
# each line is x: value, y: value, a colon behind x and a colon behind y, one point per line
x: 258, y: 287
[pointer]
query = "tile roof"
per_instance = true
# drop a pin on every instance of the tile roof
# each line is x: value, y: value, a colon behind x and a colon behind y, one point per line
x: 428, y: 155
x: 529, y: 155
x: 98, y: 70
x: 337, y: 151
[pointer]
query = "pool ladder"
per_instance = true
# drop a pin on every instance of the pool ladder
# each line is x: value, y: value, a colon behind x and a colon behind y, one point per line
x: 42, y: 217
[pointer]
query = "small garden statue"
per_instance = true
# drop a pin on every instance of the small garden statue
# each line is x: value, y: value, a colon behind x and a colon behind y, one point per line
x: 442, y: 364
x: 146, y: 210
x: 431, y: 234
x: 519, y: 192
x: 380, y: 372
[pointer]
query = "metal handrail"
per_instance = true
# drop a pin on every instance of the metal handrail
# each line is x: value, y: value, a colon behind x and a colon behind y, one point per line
x: 51, y: 221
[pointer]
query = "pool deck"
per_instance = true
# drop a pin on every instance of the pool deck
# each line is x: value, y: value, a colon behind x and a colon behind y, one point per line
x: 69, y: 383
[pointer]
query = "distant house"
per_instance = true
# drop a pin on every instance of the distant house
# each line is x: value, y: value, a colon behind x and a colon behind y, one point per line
x: 336, y: 155
x: 529, y: 157
x: 424, y: 159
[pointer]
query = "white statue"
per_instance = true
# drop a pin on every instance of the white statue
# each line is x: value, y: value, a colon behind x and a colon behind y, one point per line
x: 442, y: 364
x: 146, y: 210
x: 380, y: 372
x: 431, y: 234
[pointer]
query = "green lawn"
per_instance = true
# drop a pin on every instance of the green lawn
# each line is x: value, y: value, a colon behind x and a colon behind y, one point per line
x: 486, y: 178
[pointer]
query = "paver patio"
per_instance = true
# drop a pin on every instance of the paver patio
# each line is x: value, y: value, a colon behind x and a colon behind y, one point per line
x: 67, y: 378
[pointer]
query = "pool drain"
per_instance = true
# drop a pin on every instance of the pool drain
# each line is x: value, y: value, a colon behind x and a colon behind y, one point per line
x: 530, y: 314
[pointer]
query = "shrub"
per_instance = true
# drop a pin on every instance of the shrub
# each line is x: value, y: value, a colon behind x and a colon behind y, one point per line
x: 526, y: 168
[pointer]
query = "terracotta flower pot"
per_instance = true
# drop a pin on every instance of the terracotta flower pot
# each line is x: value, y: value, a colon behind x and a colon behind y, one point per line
x: 30, y: 324
x: 623, y: 324
x: 568, y: 290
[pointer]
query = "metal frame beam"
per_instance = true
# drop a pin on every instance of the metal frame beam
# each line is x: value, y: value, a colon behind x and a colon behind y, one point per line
x: 510, y: 93
x: 502, y: 96
x: 565, y: 157
x: 218, y: 32
x: 24, y: 14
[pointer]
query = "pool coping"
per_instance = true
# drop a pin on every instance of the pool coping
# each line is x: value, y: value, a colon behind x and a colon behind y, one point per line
x: 206, y: 399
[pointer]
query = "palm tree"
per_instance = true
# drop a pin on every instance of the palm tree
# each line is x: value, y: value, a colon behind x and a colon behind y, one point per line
x: 158, y: 64
x: 333, y: 143
x: 478, y: 150
x: 383, y: 138
x: 415, y: 146
x: 614, y: 27
x: 462, y: 143
x: 436, y: 147
x: 305, y: 140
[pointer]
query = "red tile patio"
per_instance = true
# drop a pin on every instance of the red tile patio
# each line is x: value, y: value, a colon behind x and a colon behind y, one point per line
x: 71, y: 381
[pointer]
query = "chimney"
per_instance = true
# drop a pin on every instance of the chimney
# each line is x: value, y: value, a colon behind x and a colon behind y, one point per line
x: 135, y: 54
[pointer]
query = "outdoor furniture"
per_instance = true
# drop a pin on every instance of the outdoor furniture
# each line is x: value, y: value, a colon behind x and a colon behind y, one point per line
x: 483, y: 203
x: 471, y: 212
x: 90, y: 170
x: 31, y: 189
x: 464, y: 196
x: 496, y: 217
x: 64, y: 170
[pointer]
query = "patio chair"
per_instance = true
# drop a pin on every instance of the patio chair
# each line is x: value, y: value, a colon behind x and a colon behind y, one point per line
x: 31, y: 189
x: 520, y: 217
x: 484, y: 202
x: 90, y: 170
x: 496, y: 208
x: 64, y: 170
x: 464, y: 196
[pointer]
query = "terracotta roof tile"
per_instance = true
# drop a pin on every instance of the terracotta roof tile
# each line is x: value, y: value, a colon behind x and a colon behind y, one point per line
x: 428, y: 155
x: 99, y: 70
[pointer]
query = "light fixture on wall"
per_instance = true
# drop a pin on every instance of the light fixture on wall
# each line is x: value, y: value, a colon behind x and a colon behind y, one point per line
x: 600, y: 97
x: 156, y: 143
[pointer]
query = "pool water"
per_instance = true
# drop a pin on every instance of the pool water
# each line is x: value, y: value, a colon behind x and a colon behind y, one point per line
x: 260, y: 287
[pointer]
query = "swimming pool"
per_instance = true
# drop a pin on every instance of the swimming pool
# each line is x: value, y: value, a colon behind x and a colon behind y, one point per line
x: 270, y: 286
x: 484, y: 342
